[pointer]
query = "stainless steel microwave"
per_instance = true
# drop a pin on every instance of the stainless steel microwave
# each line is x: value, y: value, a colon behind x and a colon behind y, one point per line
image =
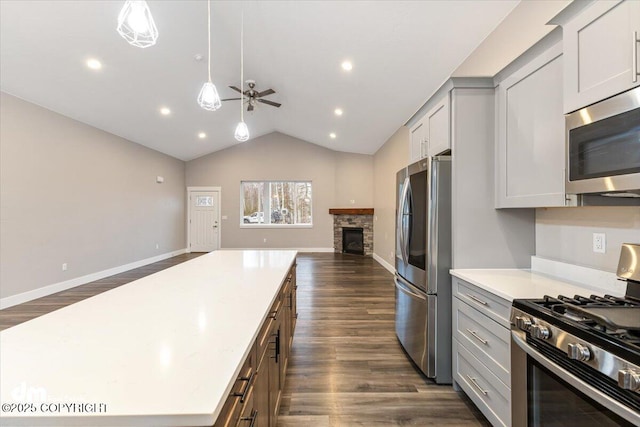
x: 603, y: 150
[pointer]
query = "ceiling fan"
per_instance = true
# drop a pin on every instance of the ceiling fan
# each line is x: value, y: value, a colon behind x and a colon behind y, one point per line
x: 254, y: 96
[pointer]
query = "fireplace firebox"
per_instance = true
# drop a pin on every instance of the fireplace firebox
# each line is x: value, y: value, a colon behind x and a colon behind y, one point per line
x: 353, y: 240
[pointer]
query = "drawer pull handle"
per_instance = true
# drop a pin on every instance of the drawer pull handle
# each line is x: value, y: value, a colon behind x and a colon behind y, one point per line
x: 252, y: 418
x: 476, y: 336
x: 243, y: 395
x: 476, y: 299
x: 475, y: 383
x: 273, y: 314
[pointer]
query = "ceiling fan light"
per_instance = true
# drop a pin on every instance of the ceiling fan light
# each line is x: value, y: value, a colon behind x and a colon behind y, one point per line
x: 242, y: 132
x: 136, y: 25
x: 209, y: 98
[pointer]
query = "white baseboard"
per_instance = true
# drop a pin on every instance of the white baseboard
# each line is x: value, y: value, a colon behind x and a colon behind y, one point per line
x: 72, y: 283
x: 286, y: 249
x: 384, y: 263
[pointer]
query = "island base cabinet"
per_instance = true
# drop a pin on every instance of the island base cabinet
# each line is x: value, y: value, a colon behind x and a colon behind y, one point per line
x: 255, y: 398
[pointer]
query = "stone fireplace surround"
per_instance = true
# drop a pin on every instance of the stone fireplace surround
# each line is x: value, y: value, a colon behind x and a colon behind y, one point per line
x: 353, y: 218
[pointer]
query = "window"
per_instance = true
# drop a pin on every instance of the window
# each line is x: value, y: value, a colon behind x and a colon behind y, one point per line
x: 204, y: 201
x: 275, y: 203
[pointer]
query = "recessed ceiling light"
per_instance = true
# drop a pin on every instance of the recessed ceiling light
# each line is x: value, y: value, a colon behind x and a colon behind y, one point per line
x: 165, y: 111
x: 94, y: 64
x: 202, y: 135
x: 347, y: 66
x: 338, y: 111
x: 332, y: 135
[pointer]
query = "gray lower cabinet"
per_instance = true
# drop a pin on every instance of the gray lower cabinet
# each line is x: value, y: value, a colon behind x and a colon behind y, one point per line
x: 481, y: 350
x: 255, y: 397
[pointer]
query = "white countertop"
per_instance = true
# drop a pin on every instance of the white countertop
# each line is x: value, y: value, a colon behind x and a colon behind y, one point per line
x: 162, y: 350
x: 513, y: 284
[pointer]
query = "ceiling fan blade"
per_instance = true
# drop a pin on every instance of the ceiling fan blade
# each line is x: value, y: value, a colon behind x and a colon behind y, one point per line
x: 230, y: 99
x: 235, y: 88
x: 250, y: 107
x: 265, y: 93
x: 265, y: 101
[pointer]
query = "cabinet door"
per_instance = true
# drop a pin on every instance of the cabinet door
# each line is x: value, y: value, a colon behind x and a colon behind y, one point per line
x: 530, y: 149
x: 437, y: 121
x: 417, y: 147
x: 261, y: 393
x: 600, y: 45
x: 274, y: 364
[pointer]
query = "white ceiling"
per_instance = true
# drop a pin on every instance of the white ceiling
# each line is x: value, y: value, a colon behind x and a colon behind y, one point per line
x: 401, y: 50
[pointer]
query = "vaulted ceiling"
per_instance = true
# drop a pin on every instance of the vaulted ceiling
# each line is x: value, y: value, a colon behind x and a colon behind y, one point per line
x: 401, y: 52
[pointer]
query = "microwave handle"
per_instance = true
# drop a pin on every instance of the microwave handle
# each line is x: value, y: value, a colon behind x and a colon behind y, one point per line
x: 575, y: 382
x: 634, y: 65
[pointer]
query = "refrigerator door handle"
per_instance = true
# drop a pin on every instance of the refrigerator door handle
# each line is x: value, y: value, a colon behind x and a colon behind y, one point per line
x: 405, y: 288
x: 401, y: 215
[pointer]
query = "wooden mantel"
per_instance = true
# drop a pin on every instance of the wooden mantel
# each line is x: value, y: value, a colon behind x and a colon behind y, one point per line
x: 351, y: 211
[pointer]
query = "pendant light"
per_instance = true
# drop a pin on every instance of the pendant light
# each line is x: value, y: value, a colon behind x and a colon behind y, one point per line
x: 209, y: 98
x: 242, y: 131
x: 135, y: 24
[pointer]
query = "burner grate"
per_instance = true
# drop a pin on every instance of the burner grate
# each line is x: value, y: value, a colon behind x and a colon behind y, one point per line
x: 576, y: 309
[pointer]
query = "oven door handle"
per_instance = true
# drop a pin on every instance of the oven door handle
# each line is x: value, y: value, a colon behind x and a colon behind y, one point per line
x: 619, y: 409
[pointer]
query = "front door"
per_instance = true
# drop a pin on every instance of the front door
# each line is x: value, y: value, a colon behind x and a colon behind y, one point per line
x: 204, y: 221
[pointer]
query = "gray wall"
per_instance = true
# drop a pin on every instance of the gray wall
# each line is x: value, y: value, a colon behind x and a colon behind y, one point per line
x: 337, y: 178
x: 389, y: 159
x: 74, y: 194
x: 566, y: 234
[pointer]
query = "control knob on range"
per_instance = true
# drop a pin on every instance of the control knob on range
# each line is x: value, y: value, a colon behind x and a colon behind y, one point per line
x: 629, y: 379
x: 540, y: 332
x: 523, y: 322
x: 579, y: 352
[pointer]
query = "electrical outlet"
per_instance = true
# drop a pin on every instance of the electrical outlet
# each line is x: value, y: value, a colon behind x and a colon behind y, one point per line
x: 353, y: 202
x: 64, y: 267
x: 157, y: 246
x: 393, y: 254
x: 265, y: 240
x: 599, y: 243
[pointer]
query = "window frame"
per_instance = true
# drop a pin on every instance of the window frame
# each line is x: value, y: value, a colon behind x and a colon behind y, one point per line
x: 272, y: 226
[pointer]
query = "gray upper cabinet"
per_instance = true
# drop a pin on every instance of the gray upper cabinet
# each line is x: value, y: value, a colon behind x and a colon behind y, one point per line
x: 437, y: 131
x: 601, y: 44
x: 530, y: 153
x: 417, y: 149
x: 430, y: 135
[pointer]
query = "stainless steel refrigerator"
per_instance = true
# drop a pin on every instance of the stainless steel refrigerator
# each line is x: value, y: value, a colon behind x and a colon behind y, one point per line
x: 423, y: 260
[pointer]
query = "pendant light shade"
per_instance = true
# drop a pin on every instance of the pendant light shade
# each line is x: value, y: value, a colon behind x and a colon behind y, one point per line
x: 209, y: 98
x: 242, y: 132
x: 135, y: 24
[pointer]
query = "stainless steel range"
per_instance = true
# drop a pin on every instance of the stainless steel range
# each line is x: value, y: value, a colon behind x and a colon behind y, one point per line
x: 575, y: 360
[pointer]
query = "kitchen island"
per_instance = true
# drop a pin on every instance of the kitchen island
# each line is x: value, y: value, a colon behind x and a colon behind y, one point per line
x: 172, y: 348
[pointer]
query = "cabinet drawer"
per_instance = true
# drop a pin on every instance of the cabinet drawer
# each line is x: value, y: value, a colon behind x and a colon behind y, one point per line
x: 489, y: 341
x: 490, y: 395
x: 264, y: 336
x: 487, y: 303
x: 240, y: 395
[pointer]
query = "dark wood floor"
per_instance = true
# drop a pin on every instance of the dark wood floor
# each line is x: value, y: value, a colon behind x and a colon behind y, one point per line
x: 347, y: 367
x: 30, y: 310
